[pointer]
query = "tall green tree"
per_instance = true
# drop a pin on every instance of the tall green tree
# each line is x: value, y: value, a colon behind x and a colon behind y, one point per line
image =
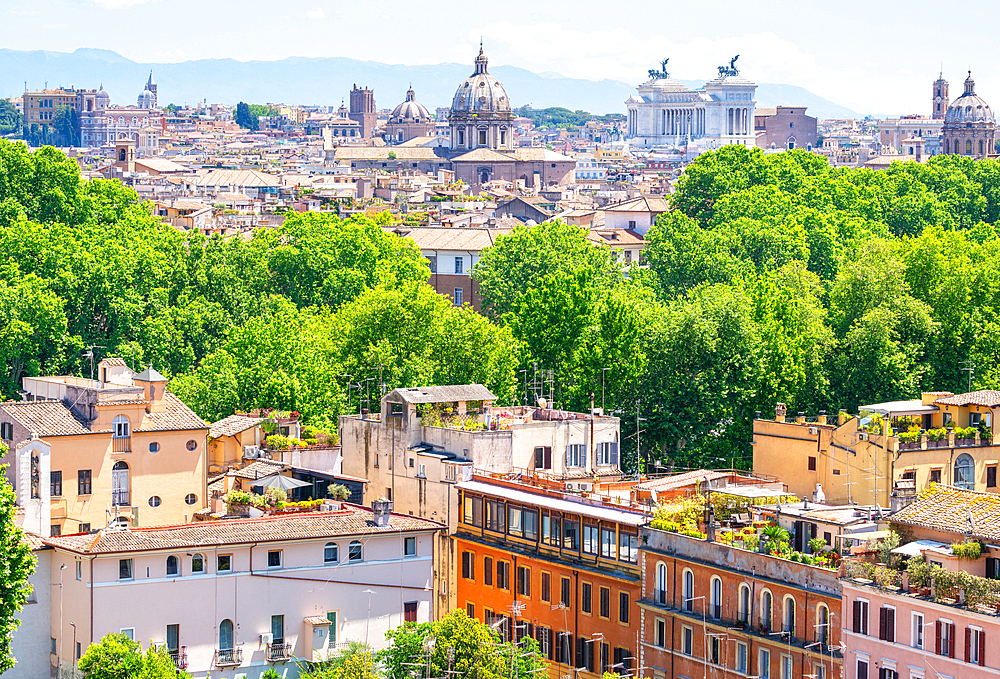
x: 245, y: 118
x: 10, y: 118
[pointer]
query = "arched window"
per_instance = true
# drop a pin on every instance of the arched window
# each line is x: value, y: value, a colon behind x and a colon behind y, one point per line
x: 965, y: 472
x: 968, y: 147
x: 745, y: 604
x: 789, y: 622
x: 766, y: 605
x: 226, y: 635
x: 120, y: 484
x: 717, y: 598
x: 173, y: 565
x: 688, y: 590
x: 980, y: 147
x: 330, y: 553
x: 197, y: 563
x: 661, y: 583
x: 354, y: 552
x: 120, y: 426
x: 947, y: 145
x: 823, y: 625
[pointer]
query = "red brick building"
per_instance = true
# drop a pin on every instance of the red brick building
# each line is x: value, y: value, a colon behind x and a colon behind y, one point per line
x: 710, y: 610
x: 569, y: 566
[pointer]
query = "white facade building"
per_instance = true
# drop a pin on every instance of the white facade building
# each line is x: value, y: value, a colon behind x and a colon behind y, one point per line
x: 667, y: 113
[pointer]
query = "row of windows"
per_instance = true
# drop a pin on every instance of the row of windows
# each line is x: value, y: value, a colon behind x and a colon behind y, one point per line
x: 524, y: 586
x: 716, y: 654
x: 768, y: 619
x: 84, y: 485
x: 224, y: 562
x: 551, y: 529
x: 945, y: 633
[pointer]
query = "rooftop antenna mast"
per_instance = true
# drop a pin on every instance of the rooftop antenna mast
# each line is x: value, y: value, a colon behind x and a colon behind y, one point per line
x: 89, y: 353
x: 970, y: 367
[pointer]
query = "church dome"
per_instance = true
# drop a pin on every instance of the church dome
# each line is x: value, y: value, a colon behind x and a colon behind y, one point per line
x: 146, y: 99
x: 410, y: 111
x: 969, y: 108
x: 481, y: 92
x: 103, y: 98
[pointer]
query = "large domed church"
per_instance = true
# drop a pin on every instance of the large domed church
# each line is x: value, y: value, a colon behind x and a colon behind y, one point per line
x: 969, y: 125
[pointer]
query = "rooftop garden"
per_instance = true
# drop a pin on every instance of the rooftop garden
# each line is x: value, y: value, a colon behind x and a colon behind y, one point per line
x: 687, y: 516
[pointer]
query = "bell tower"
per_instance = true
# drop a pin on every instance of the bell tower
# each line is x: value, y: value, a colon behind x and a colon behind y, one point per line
x: 939, y: 98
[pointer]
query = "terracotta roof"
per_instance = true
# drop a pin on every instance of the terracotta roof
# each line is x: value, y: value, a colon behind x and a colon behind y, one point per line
x: 232, y: 425
x: 451, y: 238
x: 640, y: 204
x: 113, y: 361
x: 34, y: 541
x: 316, y: 620
x: 352, y: 520
x: 176, y: 416
x: 616, y: 237
x: 483, y: 156
x: 682, y: 480
x: 947, y: 509
x: 444, y: 394
x: 46, y: 418
x: 258, y: 469
x: 986, y: 397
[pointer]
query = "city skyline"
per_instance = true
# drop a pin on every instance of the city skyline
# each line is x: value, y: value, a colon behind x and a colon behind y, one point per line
x: 846, y: 57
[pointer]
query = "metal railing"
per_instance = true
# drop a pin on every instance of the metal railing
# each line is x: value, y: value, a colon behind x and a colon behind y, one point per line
x: 180, y: 659
x: 121, y: 444
x: 279, y: 652
x: 228, y: 657
x: 120, y: 498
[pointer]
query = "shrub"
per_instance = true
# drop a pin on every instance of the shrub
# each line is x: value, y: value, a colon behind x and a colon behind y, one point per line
x: 967, y: 551
x: 278, y: 442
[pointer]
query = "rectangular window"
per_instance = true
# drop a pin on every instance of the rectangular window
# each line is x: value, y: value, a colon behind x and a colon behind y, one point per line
x: 564, y: 592
x: 503, y: 574
x: 459, y: 261
x: 887, y: 624
x: 589, y: 539
x: 860, y: 616
x: 812, y: 464
x: 628, y: 547
x: 514, y: 520
x: 607, y: 454
x: 274, y: 558
x: 496, y: 519
x: 128, y: 632
x: 917, y: 635
x: 576, y: 455
x: 410, y: 611
x: 332, y: 628
x: 585, y: 598
x: 410, y: 546
x: 84, y: 528
x: 125, y: 569
x: 934, y: 478
x: 432, y: 260
x: 741, y: 658
x: 764, y: 664
x: 991, y: 476
x: 543, y: 457
x: 570, y: 540
x: 173, y: 638
x: 786, y: 667
x: 524, y: 581
x: 714, y: 649
x: 529, y: 524
x: 975, y: 640
x: 546, y: 593
x: 55, y: 530
x: 7, y: 431
x: 605, y: 602
x: 623, y: 601
x: 609, y: 548
x: 459, y: 296
x: 944, y: 642
x: 79, y: 570
x: 55, y: 484
x: 687, y: 640
x: 545, y: 642
x: 470, y: 610
x: 469, y: 565
x: 224, y: 563
x: 488, y: 571
x: 473, y: 514
x: 862, y: 668
x: 83, y: 482
x: 278, y: 629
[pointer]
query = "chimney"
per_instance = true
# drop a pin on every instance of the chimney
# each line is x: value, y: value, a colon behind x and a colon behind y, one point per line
x: 381, y: 510
x: 841, y: 416
x: 822, y: 417
x: 801, y: 418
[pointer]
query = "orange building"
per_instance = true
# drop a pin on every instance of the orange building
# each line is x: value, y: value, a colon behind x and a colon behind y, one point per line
x: 566, y: 570
x: 710, y: 610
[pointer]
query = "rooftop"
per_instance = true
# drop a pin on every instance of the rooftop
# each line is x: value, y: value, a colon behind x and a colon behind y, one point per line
x: 352, y: 520
x: 986, y: 397
x: 443, y: 394
x: 953, y: 510
x: 550, y: 501
x: 232, y: 425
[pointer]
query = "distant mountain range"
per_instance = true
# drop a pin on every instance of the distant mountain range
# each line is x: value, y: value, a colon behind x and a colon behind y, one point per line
x: 328, y: 81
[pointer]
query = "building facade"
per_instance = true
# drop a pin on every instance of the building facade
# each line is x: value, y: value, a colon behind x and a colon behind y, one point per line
x: 267, y: 592
x: 787, y: 129
x: 969, y: 125
x: 939, y: 98
x: 363, y: 110
x: 711, y: 610
x: 120, y: 450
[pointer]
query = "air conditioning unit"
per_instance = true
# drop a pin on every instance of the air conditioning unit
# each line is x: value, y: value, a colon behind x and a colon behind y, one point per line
x: 862, y: 436
x: 251, y: 452
x: 267, y: 638
x: 814, y: 430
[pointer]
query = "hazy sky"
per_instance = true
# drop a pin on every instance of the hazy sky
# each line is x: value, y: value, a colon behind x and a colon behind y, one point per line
x: 874, y: 56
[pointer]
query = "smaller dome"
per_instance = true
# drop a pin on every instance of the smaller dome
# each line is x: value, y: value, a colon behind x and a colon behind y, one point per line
x: 410, y: 111
x: 969, y: 108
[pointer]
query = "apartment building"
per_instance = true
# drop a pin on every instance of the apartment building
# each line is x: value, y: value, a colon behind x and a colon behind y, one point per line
x: 713, y: 610
x: 121, y: 449
x: 939, y: 616
x: 234, y: 598
x: 887, y: 453
x: 561, y: 569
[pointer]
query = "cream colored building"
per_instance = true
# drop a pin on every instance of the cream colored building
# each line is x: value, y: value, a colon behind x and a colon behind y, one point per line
x: 230, y: 439
x: 119, y: 449
x: 864, y: 459
x: 237, y: 597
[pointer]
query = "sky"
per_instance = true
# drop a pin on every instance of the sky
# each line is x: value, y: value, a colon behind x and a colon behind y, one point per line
x: 874, y: 57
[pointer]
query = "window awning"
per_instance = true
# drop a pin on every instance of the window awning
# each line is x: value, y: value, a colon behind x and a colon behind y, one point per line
x: 917, y: 547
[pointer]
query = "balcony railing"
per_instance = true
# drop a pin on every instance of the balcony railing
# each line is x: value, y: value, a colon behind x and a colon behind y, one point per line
x: 121, y: 444
x: 120, y: 498
x: 228, y: 657
x: 279, y: 652
x: 180, y: 659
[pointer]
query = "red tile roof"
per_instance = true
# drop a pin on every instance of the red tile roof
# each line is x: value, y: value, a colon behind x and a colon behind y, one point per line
x: 986, y: 397
x: 947, y: 509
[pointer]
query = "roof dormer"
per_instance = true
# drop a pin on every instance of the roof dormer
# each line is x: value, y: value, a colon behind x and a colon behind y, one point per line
x: 154, y: 386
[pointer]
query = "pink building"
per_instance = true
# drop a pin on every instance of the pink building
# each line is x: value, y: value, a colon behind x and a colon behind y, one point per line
x: 927, y: 622
x: 236, y: 597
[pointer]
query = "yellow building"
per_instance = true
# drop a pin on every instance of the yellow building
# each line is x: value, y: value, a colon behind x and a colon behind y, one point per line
x: 121, y: 449
x: 40, y: 107
x: 888, y: 453
x: 230, y: 439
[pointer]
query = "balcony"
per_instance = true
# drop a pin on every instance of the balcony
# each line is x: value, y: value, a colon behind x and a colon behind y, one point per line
x: 228, y: 657
x: 120, y: 498
x: 121, y: 444
x: 279, y: 652
x: 180, y: 659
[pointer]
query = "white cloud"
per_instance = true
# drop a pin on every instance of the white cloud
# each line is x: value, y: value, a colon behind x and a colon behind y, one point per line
x: 316, y: 13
